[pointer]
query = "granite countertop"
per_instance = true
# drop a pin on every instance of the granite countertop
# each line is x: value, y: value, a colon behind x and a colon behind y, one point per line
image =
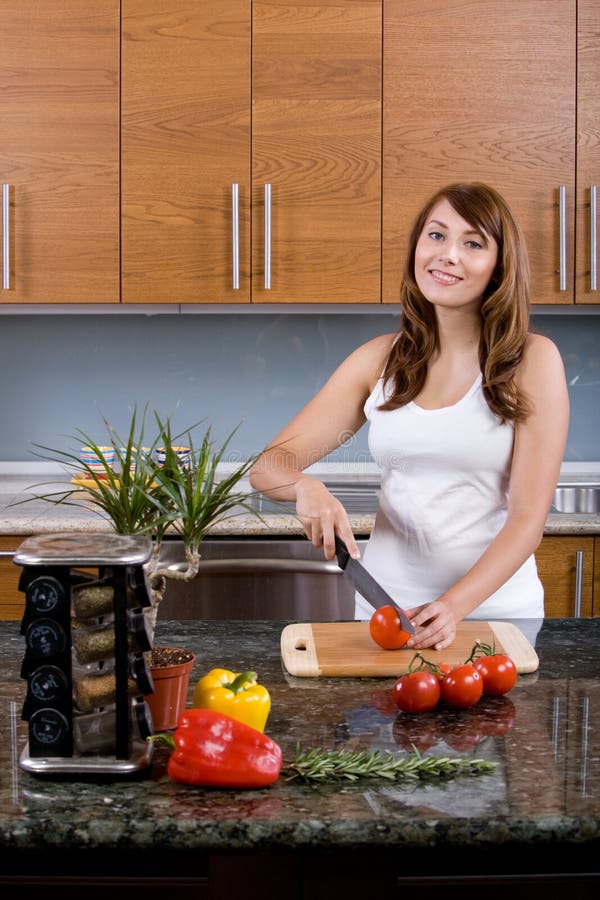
x: 543, y: 794
x: 43, y: 517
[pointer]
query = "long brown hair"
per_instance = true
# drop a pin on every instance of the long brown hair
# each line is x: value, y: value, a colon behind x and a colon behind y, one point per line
x: 504, y: 308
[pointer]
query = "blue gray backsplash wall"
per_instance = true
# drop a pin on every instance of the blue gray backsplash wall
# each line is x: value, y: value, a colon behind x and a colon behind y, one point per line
x: 65, y: 372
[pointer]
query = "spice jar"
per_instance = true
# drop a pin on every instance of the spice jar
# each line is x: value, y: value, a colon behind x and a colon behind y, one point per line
x: 93, y: 599
x: 93, y: 643
x: 100, y: 689
x: 95, y: 732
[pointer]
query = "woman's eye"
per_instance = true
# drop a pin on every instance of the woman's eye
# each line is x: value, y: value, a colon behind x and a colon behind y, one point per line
x: 475, y: 245
x: 436, y: 235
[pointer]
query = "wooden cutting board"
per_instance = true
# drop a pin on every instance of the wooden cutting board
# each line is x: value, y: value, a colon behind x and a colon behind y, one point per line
x: 346, y: 649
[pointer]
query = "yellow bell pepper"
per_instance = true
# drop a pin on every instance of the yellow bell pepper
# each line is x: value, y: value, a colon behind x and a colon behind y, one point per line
x: 235, y: 694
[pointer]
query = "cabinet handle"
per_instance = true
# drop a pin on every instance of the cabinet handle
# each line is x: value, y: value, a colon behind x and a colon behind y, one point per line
x: 267, y: 237
x: 235, y: 234
x: 593, y: 241
x: 5, y: 237
x: 562, y: 238
x: 578, y: 583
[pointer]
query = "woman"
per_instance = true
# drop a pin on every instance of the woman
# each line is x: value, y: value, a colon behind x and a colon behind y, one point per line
x: 468, y: 417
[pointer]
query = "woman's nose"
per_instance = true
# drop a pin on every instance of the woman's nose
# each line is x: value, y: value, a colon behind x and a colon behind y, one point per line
x: 449, y: 253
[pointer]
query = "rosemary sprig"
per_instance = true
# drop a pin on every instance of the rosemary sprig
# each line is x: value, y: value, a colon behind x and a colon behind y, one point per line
x: 314, y: 765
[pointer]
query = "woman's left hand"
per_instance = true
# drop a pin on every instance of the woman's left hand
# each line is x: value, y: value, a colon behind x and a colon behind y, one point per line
x: 435, y: 626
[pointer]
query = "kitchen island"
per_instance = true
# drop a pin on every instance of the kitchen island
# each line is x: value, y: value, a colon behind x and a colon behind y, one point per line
x: 531, y: 824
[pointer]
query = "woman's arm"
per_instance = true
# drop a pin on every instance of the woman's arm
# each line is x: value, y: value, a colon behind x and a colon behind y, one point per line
x: 329, y: 419
x: 537, y: 456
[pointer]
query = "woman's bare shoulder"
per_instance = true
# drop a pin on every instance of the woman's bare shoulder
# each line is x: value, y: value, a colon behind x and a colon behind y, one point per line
x: 539, y: 349
x: 541, y: 360
x: 370, y: 358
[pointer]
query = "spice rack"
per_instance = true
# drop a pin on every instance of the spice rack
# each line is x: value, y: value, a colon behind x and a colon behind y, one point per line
x: 85, y: 643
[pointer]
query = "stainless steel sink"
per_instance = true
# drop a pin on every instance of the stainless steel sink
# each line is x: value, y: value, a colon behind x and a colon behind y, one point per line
x: 577, y: 499
x: 258, y: 578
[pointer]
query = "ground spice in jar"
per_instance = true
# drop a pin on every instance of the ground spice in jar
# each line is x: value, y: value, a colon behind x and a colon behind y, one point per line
x: 93, y: 643
x: 92, y: 600
x: 93, y: 691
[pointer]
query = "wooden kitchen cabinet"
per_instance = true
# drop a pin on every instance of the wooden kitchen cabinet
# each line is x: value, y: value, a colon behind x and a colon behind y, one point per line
x: 596, y: 590
x: 498, y: 94
x: 59, y: 152
x: 588, y: 148
x: 557, y: 563
x: 185, y: 135
x: 279, y: 93
x: 316, y: 138
x: 12, y: 602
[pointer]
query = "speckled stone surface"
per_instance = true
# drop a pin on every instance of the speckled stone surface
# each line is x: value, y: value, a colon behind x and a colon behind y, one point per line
x: 544, y: 737
x: 42, y: 517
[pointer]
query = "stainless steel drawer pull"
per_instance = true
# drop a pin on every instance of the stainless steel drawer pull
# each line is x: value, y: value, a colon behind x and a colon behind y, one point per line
x: 267, y: 237
x: 578, y: 583
x: 593, y: 241
x: 562, y: 238
x: 235, y: 234
x: 5, y: 237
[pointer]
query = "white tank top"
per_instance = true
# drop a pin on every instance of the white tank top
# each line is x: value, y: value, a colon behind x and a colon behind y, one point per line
x: 444, y: 495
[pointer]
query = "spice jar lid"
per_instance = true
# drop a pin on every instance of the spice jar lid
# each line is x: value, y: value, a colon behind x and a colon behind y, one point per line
x: 142, y: 717
x: 141, y: 672
x: 140, y: 629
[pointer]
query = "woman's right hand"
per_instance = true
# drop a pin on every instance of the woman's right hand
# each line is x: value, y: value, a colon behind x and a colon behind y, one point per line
x: 323, y: 516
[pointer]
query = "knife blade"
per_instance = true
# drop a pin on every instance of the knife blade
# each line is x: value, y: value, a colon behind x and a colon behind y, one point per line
x: 370, y: 589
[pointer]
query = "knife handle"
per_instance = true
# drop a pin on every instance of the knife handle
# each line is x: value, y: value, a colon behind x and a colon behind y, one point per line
x: 341, y: 551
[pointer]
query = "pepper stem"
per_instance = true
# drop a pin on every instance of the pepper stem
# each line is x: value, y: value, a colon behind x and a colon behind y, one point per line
x: 241, y: 682
x: 164, y: 737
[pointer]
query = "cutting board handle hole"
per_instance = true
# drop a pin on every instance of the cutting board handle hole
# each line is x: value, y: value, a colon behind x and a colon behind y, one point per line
x: 300, y: 644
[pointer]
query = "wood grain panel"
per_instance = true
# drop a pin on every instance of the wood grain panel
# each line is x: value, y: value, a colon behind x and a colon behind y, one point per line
x: 480, y: 91
x: 12, y: 602
x: 588, y: 139
x: 59, y: 149
x: 185, y: 141
x: 556, y: 561
x: 316, y: 132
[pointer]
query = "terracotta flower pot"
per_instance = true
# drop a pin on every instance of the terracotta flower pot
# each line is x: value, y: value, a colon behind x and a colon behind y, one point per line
x: 170, y: 668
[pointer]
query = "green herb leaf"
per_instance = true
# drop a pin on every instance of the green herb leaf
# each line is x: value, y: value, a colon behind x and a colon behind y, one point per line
x: 316, y: 766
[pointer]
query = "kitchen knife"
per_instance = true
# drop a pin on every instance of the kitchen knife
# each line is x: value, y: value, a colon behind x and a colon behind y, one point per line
x: 364, y: 582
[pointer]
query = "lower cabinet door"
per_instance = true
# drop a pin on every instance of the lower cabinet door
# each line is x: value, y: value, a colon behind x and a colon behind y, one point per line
x: 12, y: 602
x: 566, y: 569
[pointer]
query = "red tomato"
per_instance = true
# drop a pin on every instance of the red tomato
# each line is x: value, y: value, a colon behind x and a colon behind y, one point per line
x: 386, y: 630
x: 443, y: 669
x: 417, y: 692
x: 462, y: 687
x: 499, y: 674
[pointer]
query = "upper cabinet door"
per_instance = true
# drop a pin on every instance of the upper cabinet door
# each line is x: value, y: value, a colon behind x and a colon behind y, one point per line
x: 59, y: 157
x: 482, y: 91
x: 185, y: 143
x: 316, y: 140
x: 587, y: 282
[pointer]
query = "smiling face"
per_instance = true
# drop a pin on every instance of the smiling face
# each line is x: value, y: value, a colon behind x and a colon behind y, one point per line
x: 453, y: 260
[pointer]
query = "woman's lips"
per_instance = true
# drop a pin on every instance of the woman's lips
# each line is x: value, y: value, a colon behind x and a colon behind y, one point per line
x: 444, y: 277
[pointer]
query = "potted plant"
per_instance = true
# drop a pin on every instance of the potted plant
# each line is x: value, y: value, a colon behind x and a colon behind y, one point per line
x: 183, y: 494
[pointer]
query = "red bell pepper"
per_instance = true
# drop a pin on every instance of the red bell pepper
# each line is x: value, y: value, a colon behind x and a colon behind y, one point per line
x: 215, y: 750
